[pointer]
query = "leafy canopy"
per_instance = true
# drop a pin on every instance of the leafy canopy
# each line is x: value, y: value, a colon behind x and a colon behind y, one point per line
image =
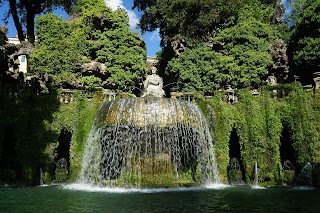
x: 23, y: 13
x: 244, y: 61
x: 305, y: 40
x: 94, y: 34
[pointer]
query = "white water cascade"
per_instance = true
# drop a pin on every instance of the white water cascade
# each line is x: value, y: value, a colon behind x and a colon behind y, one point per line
x: 256, y: 174
x: 149, y: 142
x: 41, y: 182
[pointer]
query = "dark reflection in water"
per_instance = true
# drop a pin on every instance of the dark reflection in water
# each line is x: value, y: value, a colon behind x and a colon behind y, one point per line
x: 232, y: 199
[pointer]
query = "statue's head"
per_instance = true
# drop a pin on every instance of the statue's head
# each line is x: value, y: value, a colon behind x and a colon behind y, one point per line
x: 153, y: 70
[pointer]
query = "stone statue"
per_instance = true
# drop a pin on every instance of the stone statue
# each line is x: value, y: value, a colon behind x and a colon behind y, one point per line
x: 153, y: 85
x: 271, y: 80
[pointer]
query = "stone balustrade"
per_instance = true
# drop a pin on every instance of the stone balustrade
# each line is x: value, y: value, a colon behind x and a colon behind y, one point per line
x: 186, y: 96
x: 109, y: 96
x: 66, y: 96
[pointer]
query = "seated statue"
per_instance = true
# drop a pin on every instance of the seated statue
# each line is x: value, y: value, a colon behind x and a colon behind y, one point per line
x: 153, y: 85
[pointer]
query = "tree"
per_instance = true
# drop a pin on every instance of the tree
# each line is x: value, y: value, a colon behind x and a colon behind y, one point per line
x: 24, y: 12
x: 202, y: 68
x: 111, y: 42
x: 243, y: 61
x: 214, y: 22
x: 94, y: 34
x: 195, y: 18
x: 122, y: 52
x: 59, y: 48
x: 3, y: 39
x: 305, y: 40
x: 249, y: 42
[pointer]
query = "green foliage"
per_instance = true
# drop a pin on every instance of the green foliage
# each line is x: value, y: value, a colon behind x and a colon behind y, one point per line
x: 85, y: 113
x: 112, y: 43
x: 191, y: 18
x: 257, y: 121
x: 244, y: 61
x: 90, y: 82
x: 302, y: 115
x: 259, y: 130
x: 240, y: 45
x: 32, y: 124
x: 305, y: 40
x: 123, y: 55
x: 224, y: 119
x: 25, y: 122
x: 201, y: 67
x: 59, y: 49
x: 96, y: 33
x: 248, y: 42
x: 24, y: 12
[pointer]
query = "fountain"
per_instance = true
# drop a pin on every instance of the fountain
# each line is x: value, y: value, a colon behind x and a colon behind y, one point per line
x: 305, y: 176
x: 41, y: 182
x: 149, y: 142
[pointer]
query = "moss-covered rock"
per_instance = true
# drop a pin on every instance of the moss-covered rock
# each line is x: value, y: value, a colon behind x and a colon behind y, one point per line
x: 289, y: 177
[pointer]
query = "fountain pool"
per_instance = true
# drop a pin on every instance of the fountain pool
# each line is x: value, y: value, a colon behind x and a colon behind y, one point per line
x: 71, y: 198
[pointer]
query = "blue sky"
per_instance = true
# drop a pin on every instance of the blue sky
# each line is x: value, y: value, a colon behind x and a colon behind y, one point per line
x: 152, y: 39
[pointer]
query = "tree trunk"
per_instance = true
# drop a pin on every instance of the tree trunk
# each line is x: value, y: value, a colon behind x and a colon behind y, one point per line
x: 14, y: 13
x: 30, y: 24
x: 278, y: 12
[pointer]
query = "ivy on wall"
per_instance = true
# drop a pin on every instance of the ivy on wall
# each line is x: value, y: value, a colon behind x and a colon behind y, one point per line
x: 224, y: 118
x: 259, y: 129
x: 30, y: 127
x: 86, y: 111
x: 32, y: 123
x: 258, y: 124
x: 23, y: 119
x: 302, y: 115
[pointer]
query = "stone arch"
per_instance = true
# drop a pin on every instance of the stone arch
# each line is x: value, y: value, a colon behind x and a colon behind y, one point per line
x: 9, y: 166
x: 288, y: 156
x: 236, y: 171
x: 62, y: 161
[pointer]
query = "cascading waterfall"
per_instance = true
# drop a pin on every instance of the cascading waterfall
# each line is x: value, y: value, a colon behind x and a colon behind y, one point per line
x: 149, y: 142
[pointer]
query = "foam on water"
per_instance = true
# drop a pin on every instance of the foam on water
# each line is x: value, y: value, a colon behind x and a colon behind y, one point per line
x: 43, y: 185
x: 257, y: 187
x: 93, y: 188
x: 216, y: 186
